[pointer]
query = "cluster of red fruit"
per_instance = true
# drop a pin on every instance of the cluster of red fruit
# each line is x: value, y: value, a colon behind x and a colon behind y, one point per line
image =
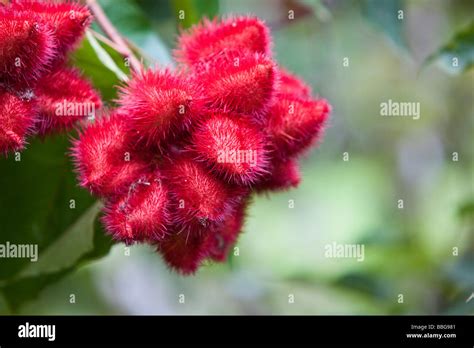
x: 35, y: 82
x: 178, y: 159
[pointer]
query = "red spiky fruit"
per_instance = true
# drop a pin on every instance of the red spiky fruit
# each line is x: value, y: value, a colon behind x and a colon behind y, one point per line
x: 27, y: 47
x: 292, y: 84
x: 184, y: 251
x: 238, y: 82
x: 199, y: 198
x: 223, y: 236
x: 69, y: 20
x: 105, y: 158
x: 232, y: 148
x: 140, y: 214
x: 159, y: 105
x: 211, y: 37
x: 284, y: 174
x: 295, y: 124
x: 16, y: 121
x: 64, y: 97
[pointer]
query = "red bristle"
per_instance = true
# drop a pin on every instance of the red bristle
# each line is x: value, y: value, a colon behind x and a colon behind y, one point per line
x: 27, y: 47
x: 295, y: 124
x: 141, y: 214
x: 232, y: 148
x: 284, y: 174
x: 224, y: 235
x: 293, y: 85
x: 105, y: 158
x: 183, y: 251
x: 69, y: 20
x: 64, y: 97
x: 199, y: 198
x: 17, y: 117
x: 238, y: 82
x: 211, y: 37
x: 159, y: 105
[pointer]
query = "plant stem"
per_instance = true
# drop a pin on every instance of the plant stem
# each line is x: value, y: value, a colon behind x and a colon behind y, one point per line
x: 114, y: 35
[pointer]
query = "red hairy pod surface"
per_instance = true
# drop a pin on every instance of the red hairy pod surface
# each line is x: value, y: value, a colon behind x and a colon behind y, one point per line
x: 63, y: 98
x: 211, y: 37
x: 238, y: 82
x: 159, y: 105
x: 199, y: 198
x: 293, y: 85
x: 295, y: 124
x: 184, y: 251
x: 284, y: 174
x: 69, y: 20
x: 140, y: 214
x: 27, y: 47
x: 16, y: 120
x: 224, y: 235
x: 232, y: 148
x: 104, y: 157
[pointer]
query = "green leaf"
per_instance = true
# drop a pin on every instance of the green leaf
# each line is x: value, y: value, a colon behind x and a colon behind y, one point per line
x: 93, y: 58
x: 384, y: 16
x: 138, y: 29
x: 105, y: 58
x: 190, y: 12
x: 41, y: 204
x: 458, y: 54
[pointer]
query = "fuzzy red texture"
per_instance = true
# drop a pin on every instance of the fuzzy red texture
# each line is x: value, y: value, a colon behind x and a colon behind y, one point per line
x: 68, y: 20
x: 158, y: 105
x: 184, y: 251
x: 16, y: 121
x: 205, y: 39
x: 223, y: 236
x: 295, y: 123
x: 199, y: 198
x: 61, y: 93
x: 238, y: 82
x: 27, y: 46
x: 101, y: 156
x: 284, y: 175
x: 140, y: 214
x: 236, y: 137
x: 292, y: 84
x: 233, y: 148
x: 35, y: 38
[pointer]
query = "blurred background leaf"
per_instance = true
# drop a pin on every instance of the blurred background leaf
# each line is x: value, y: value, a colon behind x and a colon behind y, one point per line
x: 45, y: 207
x: 458, y: 54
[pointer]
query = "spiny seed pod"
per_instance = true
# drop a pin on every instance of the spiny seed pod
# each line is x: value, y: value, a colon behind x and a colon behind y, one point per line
x: 105, y: 159
x: 158, y: 105
x: 183, y: 251
x: 68, y: 20
x: 27, y: 47
x: 223, y: 236
x: 210, y: 37
x: 284, y: 174
x: 232, y: 148
x: 295, y: 124
x: 293, y: 85
x: 199, y: 198
x: 141, y: 214
x: 63, y: 98
x: 238, y: 82
x: 16, y: 121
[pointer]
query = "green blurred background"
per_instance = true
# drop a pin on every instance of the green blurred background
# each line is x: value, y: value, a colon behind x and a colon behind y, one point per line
x: 281, y: 257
